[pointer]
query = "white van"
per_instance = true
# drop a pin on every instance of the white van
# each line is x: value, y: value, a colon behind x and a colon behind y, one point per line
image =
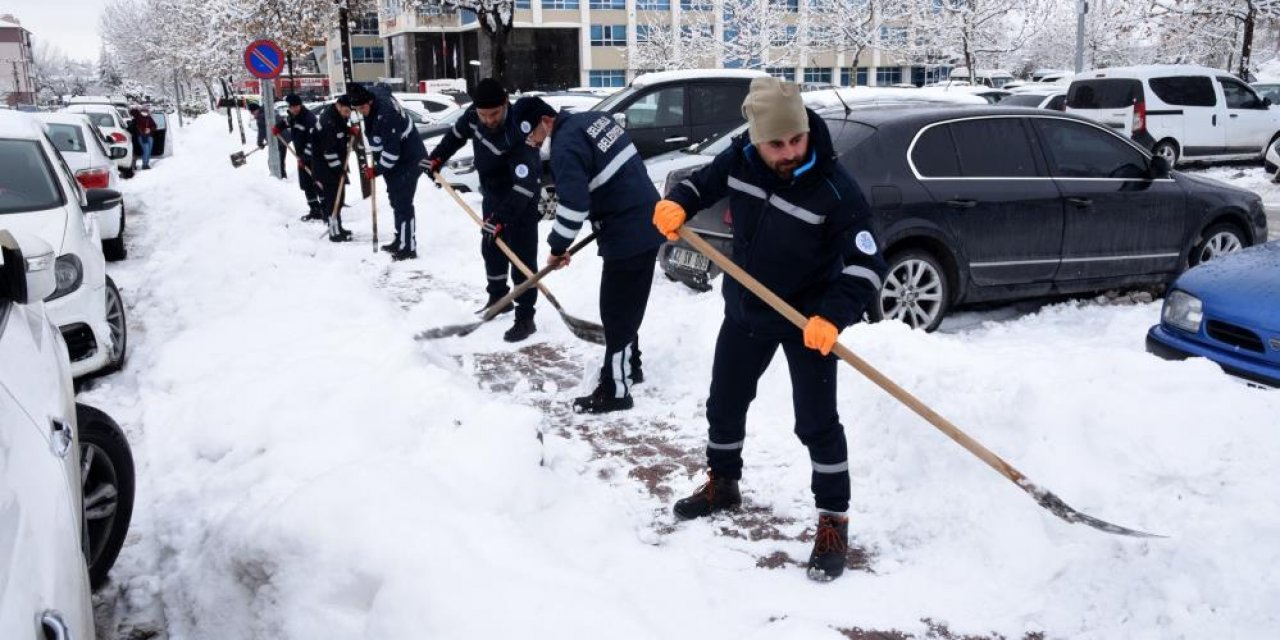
x: 986, y: 77
x: 1185, y: 113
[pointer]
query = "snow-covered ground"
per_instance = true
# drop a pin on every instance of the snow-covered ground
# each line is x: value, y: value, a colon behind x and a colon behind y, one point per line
x: 308, y: 470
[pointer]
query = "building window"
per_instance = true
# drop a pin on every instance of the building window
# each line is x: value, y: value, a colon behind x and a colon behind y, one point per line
x: 428, y: 9
x: 608, y: 4
x: 653, y: 5
x: 782, y: 37
x: 560, y: 4
x: 792, y: 6
x: 697, y: 5
x: 862, y: 77
x: 643, y: 32
x: 468, y: 16
x: 524, y: 4
x: 817, y: 74
x: 365, y: 55
x: 886, y: 76
x: 703, y: 31
x: 846, y: 75
x: 607, y: 78
x: 786, y: 73
x: 608, y: 35
x: 365, y: 25
x: 893, y: 36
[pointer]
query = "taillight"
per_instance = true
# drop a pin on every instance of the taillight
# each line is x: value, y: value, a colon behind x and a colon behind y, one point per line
x: 118, y: 137
x: 1139, y: 116
x: 94, y: 178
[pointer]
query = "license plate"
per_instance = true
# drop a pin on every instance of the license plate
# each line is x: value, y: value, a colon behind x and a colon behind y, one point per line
x: 689, y: 259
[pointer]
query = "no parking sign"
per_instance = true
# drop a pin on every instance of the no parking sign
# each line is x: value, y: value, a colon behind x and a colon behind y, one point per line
x: 263, y: 59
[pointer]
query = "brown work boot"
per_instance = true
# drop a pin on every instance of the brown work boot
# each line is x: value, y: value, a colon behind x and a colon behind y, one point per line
x: 830, y: 548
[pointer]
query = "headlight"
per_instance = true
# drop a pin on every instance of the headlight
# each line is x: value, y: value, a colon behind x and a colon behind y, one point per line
x: 68, y: 273
x: 1183, y: 311
x: 462, y: 165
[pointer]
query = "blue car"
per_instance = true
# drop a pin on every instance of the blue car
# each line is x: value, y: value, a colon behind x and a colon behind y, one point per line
x: 1226, y: 310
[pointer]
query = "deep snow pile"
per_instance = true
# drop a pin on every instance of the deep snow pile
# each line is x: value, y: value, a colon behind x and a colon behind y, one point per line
x: 308, y: 470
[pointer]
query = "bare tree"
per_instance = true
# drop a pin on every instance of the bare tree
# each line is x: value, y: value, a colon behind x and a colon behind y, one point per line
x: 495, y: 18
x: 978, y: 31
x: 1216, y: 22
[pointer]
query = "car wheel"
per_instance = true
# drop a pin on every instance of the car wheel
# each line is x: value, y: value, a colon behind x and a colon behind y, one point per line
x: 113, y: 249
x: 107, y: 482
x: 1168, y: 149
x: 916, y: 290
x: 1217, y: 241
x: 119, y: 328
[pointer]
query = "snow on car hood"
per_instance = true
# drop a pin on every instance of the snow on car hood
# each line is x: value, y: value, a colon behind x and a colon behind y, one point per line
x: 49, y: 225
x: 1244, y: 285
x: 662, y: 165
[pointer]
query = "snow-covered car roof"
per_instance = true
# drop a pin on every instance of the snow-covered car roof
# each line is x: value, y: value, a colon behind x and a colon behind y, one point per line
x: 874, y: 95
x: 694, y: 74
x: 20, y: 126
x: 64, y: 117
x: 1148, y: 70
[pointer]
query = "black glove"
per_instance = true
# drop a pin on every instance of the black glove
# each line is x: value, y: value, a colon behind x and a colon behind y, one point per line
x: 431, y: 166
x: 262, y: 145
x: 492, y: 229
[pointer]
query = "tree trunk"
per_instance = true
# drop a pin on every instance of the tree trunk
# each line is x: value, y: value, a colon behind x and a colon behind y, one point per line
x: 1246, y: 46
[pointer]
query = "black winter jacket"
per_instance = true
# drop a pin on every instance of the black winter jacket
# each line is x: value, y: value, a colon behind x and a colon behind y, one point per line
x: 809, y: 239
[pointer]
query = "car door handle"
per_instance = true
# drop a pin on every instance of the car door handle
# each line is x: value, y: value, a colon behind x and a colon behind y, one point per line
x: 60, y: 438
x: 1080, y: 202
x: 962, y: 203
x: 54, y: 627
x: 676, y: 139
x: 1235, y: 115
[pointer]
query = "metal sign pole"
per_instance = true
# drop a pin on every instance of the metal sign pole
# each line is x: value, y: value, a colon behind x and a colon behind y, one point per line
x: 268, y: 121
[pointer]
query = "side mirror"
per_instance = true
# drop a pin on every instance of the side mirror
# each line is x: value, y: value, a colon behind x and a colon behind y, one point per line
x: 1159, y: 168
x: 26, y: 277
x: 621, y: 119
x: 101, y: 200
x: 118, y: 153
x: 1266, y: 101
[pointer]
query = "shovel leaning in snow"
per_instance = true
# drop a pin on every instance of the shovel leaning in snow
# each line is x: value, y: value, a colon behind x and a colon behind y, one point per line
x: 238, y: 158
x: 497, y: 307
x: 589, y: 331
x: 1042, y: 496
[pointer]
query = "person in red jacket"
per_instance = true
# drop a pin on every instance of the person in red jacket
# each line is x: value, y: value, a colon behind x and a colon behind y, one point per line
x: 146, y: 128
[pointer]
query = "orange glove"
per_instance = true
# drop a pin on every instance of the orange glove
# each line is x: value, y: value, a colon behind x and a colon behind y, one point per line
x: 820, y: 334
x: 668, y: 217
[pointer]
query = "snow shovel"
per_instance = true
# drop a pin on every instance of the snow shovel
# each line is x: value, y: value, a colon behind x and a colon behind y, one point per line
x: 583, y: 329
x: 238, y: 158
x: 1042, y: 496
x: 337, y: 200
x: 497, y: 307
x: 373, y: 204
x: 289, y: 148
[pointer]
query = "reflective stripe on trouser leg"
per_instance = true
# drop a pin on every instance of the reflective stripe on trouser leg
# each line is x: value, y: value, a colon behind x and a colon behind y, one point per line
x: 813, y: 384
x: 400, y: 190
x: 735, y: 374
x: 625, y: 284
x: 496, y: 268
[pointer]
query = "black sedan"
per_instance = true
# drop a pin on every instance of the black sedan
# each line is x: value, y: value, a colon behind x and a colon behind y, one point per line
x: 991, y: 204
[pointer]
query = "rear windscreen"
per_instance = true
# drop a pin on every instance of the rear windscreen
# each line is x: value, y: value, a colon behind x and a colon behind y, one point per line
x: 1104, y: 93
x: 1022, y: 100
x: 67, y: 137
x: 26, y: 183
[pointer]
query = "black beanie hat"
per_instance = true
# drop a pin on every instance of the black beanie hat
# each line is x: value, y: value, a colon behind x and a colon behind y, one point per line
x: 527, y: 113
x: 488, y: 94
x: 359, y: 95
x: 253, y: 106
x: 293, y: 100
x: 343, y: 100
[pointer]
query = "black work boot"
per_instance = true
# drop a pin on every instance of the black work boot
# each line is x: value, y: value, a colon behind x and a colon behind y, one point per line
x: 523, y: 328
x: 830, y: 548
x: 404, y: 254
x: 603, y: 400
x: 717, y: 494
x: 637, y: 373
x: 392, y: 246
x: 493, y: 298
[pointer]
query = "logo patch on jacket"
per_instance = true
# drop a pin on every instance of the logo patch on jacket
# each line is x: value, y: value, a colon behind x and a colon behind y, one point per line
x: 866, y: 243
x: 522, y: 171
x: 377, y: 140
x: 525, y: 128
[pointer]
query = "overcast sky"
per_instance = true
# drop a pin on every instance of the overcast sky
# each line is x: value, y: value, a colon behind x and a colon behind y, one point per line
x: 70, y: 25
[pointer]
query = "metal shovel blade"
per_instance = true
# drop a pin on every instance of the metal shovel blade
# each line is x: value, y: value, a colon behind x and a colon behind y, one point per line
x: 449, y: 331
x: 237, y: 159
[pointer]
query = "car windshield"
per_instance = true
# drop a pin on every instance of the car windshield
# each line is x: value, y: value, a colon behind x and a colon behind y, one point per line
x: 26, y: 183
x: 608, y: 104
x: 101, y: 119
x: 1022, y: 100
x: 67, y: 137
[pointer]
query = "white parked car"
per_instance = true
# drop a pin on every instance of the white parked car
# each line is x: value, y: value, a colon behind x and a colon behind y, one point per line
x: 39, y: 196
x: 80, y: 143
x: 68, y: 473
x: 431, y: 106
x: 1052, y: 99
x: 1184, y: 113
x: 112, y: 126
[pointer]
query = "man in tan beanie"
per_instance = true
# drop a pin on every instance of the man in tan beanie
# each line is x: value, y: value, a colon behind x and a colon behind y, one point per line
x: 801, y: 227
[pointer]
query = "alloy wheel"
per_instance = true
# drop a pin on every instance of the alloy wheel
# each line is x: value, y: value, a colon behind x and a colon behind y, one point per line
x: 913, y: 293
x: 101, y: 496
x: 115, y: 320
x: 1218, y: 245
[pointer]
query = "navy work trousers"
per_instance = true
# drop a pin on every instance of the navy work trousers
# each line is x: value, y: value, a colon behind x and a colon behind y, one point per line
x: 740, y: 360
